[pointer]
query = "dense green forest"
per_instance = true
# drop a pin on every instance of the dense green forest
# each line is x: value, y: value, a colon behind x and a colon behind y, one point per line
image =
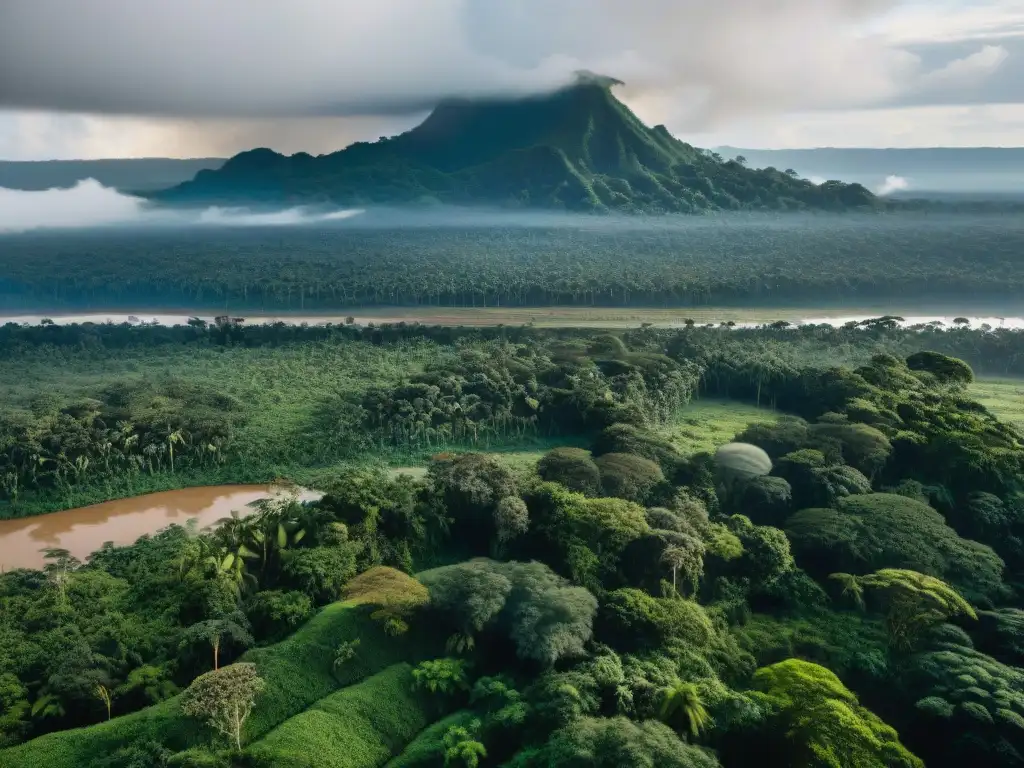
x: 93, y: 412
x: 739, y: 260
x: 839, y: 585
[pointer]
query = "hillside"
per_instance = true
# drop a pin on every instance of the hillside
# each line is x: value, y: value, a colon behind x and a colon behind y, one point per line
x: 126, y: 174
x: 578, y: 148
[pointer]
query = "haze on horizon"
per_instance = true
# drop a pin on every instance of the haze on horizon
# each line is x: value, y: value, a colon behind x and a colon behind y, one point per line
x: 116, y: 79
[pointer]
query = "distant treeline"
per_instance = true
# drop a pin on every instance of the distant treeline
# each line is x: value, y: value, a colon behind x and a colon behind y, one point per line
x: 734, y: 260
x: 992, y: 352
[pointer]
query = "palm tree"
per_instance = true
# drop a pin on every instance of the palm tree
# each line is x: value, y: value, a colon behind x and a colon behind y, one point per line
x: 465, y: 753
x: 460, y: 643
x: 230, y: 564
x: 213, y: 631
x: 681, y: 706
x: 104, y: 694
x: 674, y: 558
x: 173, y: 438
x: 58, y: 569
x: 461, y: 748
x: 47, y: 705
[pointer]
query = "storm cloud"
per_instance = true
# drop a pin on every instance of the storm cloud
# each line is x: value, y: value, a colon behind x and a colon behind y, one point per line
x: 231, y: 69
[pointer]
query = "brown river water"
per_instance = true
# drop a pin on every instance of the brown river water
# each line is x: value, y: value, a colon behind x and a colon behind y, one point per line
x: 84, y: 530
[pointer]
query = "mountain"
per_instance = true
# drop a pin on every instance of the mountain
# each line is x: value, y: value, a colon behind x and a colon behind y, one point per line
x: 936, y: 172
x: 125, y: 174
x: 578, y: 148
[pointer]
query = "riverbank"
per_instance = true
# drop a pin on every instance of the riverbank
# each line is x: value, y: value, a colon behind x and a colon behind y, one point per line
x: 1011, y: 316
x: 84, y: 530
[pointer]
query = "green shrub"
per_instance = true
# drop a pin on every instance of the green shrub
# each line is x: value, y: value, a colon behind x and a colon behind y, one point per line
x: 572, y: 467
x: 826, y: 724
x: 615, y: 743
x: 427, y: 749
x: 275, y: 613
x: 633, y: 620
x: 870, y: 532
x: 626, y: 438
x: 630, y: 477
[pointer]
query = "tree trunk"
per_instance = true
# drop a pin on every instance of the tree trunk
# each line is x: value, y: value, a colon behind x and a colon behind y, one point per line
x: 216, y: 653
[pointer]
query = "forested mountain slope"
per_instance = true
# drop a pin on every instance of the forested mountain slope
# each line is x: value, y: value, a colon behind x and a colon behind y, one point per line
x: 578, y: 148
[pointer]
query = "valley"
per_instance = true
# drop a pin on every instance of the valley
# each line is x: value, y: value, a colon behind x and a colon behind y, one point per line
x: 531, y: 436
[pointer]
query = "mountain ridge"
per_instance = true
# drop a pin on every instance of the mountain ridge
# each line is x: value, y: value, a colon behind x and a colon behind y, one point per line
x: 578, y: 148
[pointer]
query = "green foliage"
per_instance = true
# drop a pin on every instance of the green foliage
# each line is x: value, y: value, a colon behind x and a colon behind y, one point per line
x: 428, y: 749
x: 913, y: 602
x: 297, y: 672
x: 511, y: 519
x: 588, y: 536
x: 631, y: 477
x: 224, y: 699
x: 133, y: 625
x: 276, y: 613
x: 461, y: 265
x: 970, y: 706
x: 572, y: 467
x: 544, y: 616
x: 948, y: 371
x: 766, y: 553
x: 875, y: 531
x: 220, y: 632
x: 1000, y: 633
x: 461, y: 749
x: 823, y: 721
x: 627, y: 438
x: 633, y: 620
x: 394, y: 595
x: 766, y: 500
x: 863, y: 447
x: 362, y: 725
x: 681, y: 706
x: 612, y: 743
x: 320, y: 572
x: 851, y: 644
x: 345, y: 652
x: 446, y: 676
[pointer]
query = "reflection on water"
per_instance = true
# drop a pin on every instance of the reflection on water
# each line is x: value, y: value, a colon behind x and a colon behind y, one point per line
x: 84, y: 530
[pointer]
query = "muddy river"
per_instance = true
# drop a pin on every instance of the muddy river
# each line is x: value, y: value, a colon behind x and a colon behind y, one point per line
x: 84, y: 530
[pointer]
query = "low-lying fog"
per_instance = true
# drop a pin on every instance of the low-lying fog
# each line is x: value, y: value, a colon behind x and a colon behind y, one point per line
x: 91, y: 205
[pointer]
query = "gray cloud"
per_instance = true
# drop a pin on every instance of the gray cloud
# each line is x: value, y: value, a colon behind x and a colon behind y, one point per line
x: 237, y: 73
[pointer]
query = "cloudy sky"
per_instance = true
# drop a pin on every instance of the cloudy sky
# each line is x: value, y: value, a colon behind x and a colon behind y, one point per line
x: 189, y: 78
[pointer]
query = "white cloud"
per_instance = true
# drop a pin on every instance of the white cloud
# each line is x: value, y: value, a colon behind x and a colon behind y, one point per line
x: 90, y: 204
x: 892, y: 184
x: 950, y: 21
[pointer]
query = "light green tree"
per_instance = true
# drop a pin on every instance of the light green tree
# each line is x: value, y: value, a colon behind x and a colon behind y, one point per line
x: 224, y: 699
x: 825, y: 724
x: 913, y: 601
